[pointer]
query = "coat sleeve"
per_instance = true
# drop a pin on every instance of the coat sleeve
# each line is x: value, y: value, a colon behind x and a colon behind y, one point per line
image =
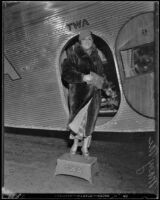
x: 102, y: 56
x: 69, y: 72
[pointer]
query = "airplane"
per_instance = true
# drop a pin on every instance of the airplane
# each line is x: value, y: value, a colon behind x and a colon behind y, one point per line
x: 36, y: 35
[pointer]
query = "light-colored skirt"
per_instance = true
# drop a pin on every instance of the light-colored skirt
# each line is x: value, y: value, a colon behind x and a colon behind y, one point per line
x: 78, y: 124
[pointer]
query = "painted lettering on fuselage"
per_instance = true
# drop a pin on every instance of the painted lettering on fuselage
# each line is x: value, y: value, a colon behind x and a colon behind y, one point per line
x: 10, y: 71
x: 78, y: 24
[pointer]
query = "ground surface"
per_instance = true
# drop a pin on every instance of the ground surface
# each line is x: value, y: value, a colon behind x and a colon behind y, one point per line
x: 30, y: 162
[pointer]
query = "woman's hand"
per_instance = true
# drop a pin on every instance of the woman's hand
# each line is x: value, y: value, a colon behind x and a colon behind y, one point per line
x: 94, y: 79
x: 97, y: 81
x: 88, y: 78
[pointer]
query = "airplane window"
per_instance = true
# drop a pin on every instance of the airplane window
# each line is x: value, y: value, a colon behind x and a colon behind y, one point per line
x: 139, y: 60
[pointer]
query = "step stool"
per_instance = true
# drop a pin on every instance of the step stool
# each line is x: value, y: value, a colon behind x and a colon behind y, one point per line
x: 77, y: 165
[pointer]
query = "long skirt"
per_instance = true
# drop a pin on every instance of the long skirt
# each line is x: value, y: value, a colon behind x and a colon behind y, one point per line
x: 84, y: 122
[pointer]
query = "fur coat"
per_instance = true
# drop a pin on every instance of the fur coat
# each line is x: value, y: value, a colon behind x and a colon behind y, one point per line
x: 77, y: 64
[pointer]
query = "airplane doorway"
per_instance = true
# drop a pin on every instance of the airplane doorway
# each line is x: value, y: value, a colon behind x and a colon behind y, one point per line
x: 110, y: 100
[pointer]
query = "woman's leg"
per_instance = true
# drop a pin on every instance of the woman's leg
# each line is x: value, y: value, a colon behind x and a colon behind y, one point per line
x: 74, y: 146
x: 93, y: 111
x: 86, y: 144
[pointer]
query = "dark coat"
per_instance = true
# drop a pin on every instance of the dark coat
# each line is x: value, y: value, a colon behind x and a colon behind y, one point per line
x: 77, y: 64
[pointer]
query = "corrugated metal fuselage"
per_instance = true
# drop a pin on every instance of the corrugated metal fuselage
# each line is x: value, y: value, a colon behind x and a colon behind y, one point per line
x: 35, y: 34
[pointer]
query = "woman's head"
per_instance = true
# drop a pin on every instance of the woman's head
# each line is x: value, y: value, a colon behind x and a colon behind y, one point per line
x: 86, y: 39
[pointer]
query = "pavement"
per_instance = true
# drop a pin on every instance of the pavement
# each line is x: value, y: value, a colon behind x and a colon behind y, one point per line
x: 125, y: 166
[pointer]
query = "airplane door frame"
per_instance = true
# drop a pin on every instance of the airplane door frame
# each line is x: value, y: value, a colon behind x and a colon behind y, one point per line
x: 63, y: 47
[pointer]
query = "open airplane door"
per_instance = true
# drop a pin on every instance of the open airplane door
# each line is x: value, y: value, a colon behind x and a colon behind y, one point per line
x: 135, y: 56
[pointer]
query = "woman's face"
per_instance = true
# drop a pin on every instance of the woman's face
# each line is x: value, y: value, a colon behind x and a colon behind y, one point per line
x: 87, y: 42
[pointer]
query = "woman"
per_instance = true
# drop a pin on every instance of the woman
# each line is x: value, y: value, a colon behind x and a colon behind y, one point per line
x: 83, y: 70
